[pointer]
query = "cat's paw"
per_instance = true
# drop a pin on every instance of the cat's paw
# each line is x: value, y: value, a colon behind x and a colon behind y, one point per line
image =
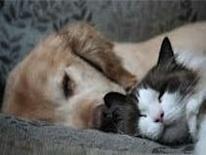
x: 192, y: 110
x: 200, y: 146
x: 192, y: 124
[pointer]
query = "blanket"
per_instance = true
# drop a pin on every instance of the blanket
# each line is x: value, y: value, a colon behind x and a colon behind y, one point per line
x: 19, y: 136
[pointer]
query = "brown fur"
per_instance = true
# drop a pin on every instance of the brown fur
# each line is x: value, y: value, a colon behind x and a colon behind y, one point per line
x: 91, y: 46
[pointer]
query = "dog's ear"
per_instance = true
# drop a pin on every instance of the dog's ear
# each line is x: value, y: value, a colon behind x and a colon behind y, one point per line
x: 91, y: 46
x: 121, y: 114
x: 114, y: 98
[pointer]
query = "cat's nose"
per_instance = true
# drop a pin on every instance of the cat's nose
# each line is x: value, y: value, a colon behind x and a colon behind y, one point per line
x: 159, y: 118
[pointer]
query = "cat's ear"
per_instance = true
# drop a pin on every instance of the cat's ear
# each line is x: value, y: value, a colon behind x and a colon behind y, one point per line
x: 166, y: 52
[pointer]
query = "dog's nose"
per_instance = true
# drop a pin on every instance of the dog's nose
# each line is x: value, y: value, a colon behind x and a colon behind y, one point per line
x: 159, y: 118
x: 97, y: 116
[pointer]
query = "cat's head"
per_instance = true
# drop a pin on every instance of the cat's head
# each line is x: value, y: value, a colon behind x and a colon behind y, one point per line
x: 162, y: 95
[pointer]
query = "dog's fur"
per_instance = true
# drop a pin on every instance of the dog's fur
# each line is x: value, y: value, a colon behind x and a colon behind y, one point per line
x: 120, y: 114
x: 56, y: 83
x: 64, y: 79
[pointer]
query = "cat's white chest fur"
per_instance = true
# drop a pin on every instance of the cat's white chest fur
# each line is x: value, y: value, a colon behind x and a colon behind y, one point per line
x: 196, y: 62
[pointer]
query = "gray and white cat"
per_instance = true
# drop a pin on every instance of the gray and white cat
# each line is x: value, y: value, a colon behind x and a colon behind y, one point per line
x: 171, y: 98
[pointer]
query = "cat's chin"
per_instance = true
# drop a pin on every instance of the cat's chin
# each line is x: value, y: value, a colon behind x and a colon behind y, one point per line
x: 175, y: 134
x: 169, y: 123
x: 149, y: 129
x: 165, y: 134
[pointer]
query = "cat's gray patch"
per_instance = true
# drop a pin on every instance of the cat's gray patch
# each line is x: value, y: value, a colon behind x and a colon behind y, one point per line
x: 169, y: 75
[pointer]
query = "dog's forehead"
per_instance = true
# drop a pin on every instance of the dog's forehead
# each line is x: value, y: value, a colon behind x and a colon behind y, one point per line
x: 46, y: 61
x: 54, y: 53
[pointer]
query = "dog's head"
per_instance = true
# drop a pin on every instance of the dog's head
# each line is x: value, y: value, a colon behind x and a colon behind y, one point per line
x: 54, y: 84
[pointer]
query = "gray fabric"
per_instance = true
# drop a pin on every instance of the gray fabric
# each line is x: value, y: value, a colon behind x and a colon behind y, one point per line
x: 24, y: 22
x: 25, y: 137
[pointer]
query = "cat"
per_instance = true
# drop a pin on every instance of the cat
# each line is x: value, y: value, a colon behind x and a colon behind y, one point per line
x: 171, y: 98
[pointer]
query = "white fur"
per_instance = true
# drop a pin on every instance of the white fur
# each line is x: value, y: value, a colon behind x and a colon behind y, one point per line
x: 192, y: 59
x: 173, y: 108
x: 149, y: 106
x: 192, y: 110
x: 149, y: 97
x: 200, y: 147
x: 180, y: 114
x: 196, y: 62
x: 149, y: 129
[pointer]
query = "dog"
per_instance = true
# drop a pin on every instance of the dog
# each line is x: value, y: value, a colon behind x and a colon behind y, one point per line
x: 57, y: 83
x: 65, y: 77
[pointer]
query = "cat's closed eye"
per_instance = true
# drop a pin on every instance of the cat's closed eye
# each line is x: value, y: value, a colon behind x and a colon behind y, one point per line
x: 142, y: 115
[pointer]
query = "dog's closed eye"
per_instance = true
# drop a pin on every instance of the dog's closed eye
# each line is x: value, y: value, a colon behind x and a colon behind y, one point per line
x: 67, y: 86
